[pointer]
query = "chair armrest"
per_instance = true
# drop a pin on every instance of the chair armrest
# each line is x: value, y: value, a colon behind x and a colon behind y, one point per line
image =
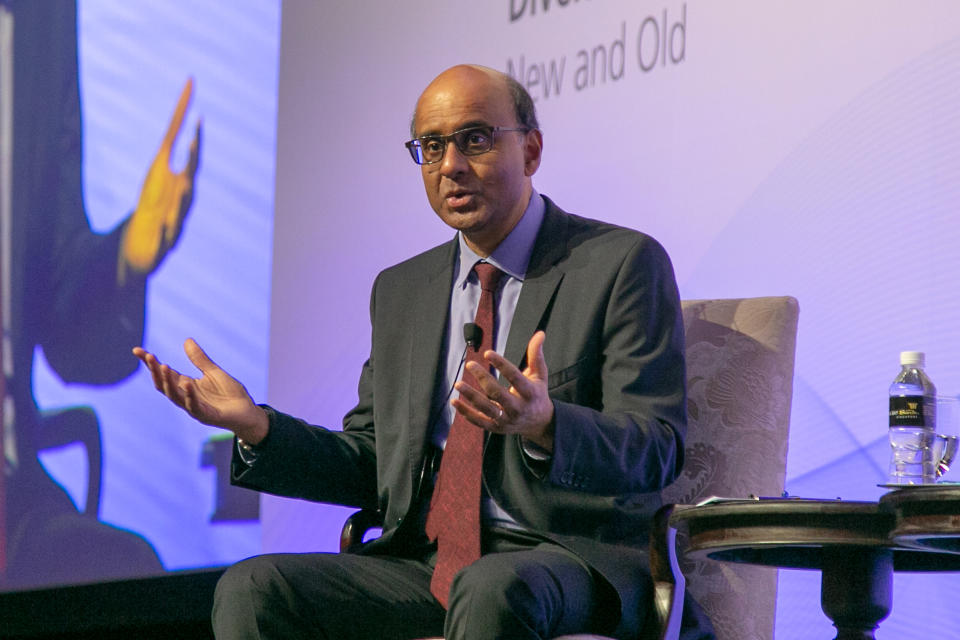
x: 668, y: 580
x: 357, y: 525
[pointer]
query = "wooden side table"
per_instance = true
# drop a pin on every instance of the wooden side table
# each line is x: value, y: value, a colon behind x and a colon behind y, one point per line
x: 848, y: 542
x: 927, y: 516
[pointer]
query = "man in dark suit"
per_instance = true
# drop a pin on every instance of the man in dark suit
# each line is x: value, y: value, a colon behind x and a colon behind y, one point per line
x: 582, y: 429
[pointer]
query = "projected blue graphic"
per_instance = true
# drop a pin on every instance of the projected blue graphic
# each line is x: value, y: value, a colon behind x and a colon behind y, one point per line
x: 154, y: 477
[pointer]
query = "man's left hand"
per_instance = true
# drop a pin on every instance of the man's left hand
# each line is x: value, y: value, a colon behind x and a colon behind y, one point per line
x: 525, y: 408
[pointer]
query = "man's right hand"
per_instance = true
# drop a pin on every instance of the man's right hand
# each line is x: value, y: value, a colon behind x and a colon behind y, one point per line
x: 216, y: 398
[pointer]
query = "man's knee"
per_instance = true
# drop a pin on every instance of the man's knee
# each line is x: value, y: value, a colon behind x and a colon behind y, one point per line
x: 254, y: 599
x: 521, y: 596
x: 248, y: 577
x: 248, y: 590
x: 490, y: 599
x: 491, y: 583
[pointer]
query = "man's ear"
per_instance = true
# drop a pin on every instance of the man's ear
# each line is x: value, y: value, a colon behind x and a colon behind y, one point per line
x: 532, y: 150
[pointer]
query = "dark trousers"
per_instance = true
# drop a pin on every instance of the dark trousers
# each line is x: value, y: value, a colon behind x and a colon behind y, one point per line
x: 522, y: 588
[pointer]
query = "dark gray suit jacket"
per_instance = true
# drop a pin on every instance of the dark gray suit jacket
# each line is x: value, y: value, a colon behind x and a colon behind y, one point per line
x: 607, y: 299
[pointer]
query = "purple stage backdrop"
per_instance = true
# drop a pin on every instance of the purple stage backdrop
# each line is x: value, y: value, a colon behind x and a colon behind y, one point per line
x: 808, y: 149
x: 774, y: 148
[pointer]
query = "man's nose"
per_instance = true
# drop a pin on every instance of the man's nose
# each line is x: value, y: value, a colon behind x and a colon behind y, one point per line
x: 453, y: 162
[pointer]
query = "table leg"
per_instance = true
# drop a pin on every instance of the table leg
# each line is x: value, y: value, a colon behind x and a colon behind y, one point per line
x: 855, y: 590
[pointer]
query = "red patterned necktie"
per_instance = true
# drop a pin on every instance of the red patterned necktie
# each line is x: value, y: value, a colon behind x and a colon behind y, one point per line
x: 454, y: 518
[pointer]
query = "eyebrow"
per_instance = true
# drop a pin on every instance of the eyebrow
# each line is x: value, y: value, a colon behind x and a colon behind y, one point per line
x: 466, y: 125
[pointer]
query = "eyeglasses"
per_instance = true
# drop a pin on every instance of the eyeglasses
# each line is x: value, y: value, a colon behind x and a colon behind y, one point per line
x: 471, y: 141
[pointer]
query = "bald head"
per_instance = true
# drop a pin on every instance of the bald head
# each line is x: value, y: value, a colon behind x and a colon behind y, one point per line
x: 523, y: 107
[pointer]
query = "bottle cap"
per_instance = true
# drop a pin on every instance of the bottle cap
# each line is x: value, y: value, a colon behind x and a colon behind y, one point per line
x: 915, y: 358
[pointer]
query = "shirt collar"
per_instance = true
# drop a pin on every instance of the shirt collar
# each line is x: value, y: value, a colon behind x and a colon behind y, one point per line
x: 512, y: 255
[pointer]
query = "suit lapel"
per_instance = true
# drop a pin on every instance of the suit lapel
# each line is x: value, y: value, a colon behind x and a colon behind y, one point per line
x: 540, y: 283
x: 429, y: 305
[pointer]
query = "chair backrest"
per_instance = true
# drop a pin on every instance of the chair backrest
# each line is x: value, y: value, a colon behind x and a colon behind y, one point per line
x: 740, y: 356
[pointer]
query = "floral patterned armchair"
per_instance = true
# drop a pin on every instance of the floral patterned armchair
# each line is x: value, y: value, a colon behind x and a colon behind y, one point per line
x: 740, y: 356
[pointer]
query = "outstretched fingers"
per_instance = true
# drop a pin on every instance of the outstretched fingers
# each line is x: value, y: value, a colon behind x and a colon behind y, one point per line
x: 153, y: 366
x: 509, y: 372
x: 525, y: 408
x: 198, y: 356
x: 173, y: 383
x: 528, y: 384
x: 479, y: 406
x: 536, y: 361
x: 192, y: 401
x: 166, y: 379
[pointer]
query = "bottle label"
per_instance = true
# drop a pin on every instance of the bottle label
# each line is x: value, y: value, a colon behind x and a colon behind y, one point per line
x: 910, y: 411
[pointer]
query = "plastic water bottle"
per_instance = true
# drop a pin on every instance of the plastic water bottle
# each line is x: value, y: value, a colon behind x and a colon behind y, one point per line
x: 913, y: 406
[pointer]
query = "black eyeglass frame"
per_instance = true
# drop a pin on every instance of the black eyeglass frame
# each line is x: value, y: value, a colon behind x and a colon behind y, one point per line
x: 415, y: 146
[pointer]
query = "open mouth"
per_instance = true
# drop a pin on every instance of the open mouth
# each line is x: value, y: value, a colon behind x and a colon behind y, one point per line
x: 459, y: 199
